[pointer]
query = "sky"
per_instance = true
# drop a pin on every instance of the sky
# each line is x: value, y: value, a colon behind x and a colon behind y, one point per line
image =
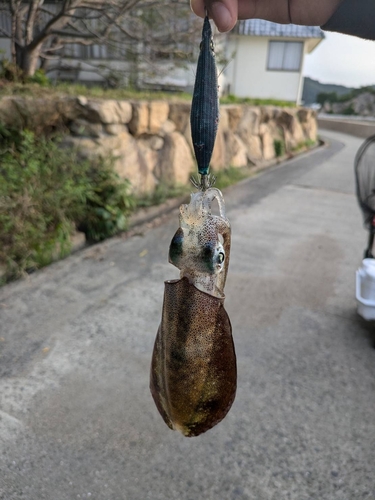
x: 342, y: 59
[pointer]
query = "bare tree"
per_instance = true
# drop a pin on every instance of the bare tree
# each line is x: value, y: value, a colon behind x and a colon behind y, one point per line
x: 40, y: 28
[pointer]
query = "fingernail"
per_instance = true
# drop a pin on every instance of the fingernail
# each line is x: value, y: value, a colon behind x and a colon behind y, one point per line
x: 221, y: 16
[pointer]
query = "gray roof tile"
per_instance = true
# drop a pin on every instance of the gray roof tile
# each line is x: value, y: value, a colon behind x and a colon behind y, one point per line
x: 259, y: 27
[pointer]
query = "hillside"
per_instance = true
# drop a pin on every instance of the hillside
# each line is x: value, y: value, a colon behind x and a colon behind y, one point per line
x: 311, y: 88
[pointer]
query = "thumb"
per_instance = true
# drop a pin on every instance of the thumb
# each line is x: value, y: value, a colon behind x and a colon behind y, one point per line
x: 222, y: 12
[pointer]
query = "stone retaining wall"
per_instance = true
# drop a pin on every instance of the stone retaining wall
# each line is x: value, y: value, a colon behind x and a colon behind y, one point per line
x: 151, y: 139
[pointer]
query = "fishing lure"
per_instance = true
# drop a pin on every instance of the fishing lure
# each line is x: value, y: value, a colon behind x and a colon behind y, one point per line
x: 204, y: 115
x: 193, y: 370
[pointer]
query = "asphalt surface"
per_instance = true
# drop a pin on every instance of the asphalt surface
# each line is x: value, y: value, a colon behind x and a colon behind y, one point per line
x: 76, y: 416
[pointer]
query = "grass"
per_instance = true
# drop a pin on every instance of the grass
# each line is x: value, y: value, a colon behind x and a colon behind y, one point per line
x: 224, y: 178
x: 161, y: 194
x: 231, y: 99
x: 304, y: 145
x: 48, y: 89
x: 231, y: 175
x: 67, y: 89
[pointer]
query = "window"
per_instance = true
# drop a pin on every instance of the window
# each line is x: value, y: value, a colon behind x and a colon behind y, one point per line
x: 284, y: 56
x: 79, y: 51
x: 73, y: 50
x: 95, y: 52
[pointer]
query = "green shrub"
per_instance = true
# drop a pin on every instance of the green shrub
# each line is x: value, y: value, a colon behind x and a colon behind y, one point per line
x: 45, y: 193
x: 324, y: 97
x: 229, y: 176
x: 349, y: 110
x: 108, y: 202
x: 279, y: 147
x: 10, y: 71
x: 40, y: 78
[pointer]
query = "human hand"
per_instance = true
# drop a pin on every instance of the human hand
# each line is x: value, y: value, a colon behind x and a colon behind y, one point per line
x: 226, y: 12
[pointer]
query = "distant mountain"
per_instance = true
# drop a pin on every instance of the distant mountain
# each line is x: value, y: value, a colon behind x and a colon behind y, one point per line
x: 311, y: 88
x: 339, y: 99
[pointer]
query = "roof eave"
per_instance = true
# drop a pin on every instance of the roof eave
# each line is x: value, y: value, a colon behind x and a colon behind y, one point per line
x: 312, y: 43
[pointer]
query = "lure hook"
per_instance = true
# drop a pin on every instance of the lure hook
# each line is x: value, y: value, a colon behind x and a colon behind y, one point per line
x: 207, y: 181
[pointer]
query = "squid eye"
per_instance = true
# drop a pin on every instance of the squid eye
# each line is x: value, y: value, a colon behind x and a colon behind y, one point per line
x: 176, y: 247
x: 221, y: 258
x: 212, y: 46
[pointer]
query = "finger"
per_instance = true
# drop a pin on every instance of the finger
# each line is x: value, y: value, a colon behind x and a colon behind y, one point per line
x: 223, y: 12
x: 276, y: 10
x: 198, y: 7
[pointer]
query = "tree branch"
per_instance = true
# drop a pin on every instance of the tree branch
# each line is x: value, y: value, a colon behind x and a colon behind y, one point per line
x: 79, y: 40
x: 66, y: 35
x: 30, y: 21
x: 44, y: 55
x: 72, y: 16
x: 14, y: 6
x: 59, y: 20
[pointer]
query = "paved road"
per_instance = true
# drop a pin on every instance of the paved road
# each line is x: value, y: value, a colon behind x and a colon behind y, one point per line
x: 76, y: 416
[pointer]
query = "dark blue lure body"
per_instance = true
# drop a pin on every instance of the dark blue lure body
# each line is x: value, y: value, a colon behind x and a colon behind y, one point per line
x: 204, y: 116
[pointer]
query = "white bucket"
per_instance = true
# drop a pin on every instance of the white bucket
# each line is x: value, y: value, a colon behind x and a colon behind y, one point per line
x: 365, y: 289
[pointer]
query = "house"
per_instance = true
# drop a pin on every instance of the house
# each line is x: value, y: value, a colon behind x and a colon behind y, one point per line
x: 268, y: 59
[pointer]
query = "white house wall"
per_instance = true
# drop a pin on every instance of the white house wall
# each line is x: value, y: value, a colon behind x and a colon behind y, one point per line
x: 306, y: 50
x: 248, y: 76
x: 166, y: 75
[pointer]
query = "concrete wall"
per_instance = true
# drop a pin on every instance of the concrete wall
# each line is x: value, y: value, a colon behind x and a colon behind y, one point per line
x: 248, y: 76
x: 347, y: 126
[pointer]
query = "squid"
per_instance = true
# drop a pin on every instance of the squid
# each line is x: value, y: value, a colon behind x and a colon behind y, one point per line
x: 193, y: 369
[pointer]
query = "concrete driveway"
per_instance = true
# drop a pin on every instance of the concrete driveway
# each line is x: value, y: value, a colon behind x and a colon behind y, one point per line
x: 76, y: 417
